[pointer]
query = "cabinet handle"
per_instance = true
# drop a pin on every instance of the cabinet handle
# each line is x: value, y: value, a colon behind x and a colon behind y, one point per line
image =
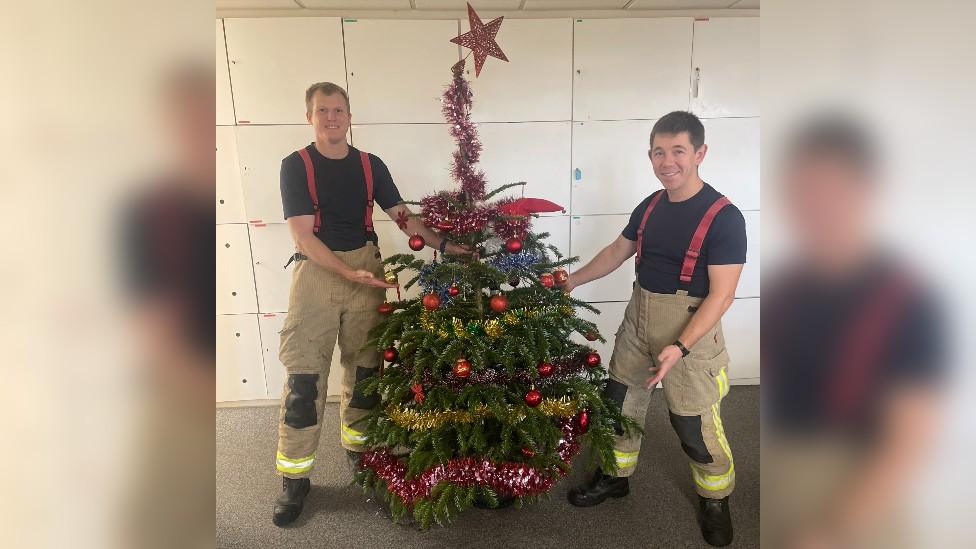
x: 694, y: 89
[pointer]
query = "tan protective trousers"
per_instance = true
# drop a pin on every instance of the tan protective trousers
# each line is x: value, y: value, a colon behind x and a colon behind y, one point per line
x: 324, y: 307
x: 693, y: 388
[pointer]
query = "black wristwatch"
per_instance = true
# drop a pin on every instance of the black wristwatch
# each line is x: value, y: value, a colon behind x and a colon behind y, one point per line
x: 684, y: 350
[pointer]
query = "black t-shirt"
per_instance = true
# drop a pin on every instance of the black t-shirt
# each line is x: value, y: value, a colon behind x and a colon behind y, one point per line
x: 668, y: 234
x: 341, y: 188
x: 807, y: 323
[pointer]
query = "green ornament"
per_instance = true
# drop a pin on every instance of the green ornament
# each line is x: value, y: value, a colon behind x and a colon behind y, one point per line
x: 475, y: 328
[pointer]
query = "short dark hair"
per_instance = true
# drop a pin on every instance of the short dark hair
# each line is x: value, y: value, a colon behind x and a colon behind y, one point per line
x: 328, y: 88
x: 838, y: 136
x: 677, y: 122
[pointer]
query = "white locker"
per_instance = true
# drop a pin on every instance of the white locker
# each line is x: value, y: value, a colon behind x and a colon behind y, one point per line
x: 235, y: 279
x: 741, y: 328
x: 607, y: 322
x: 588, y: 235
x: 731, y: 164
x: 240, y: 369
x: 418, y: 156
x: 397, y: 70
x: 536, y: 83
x: 224, y: 99
x: 271, y: 325
x: 535, y: 152
x: 261, y: 149
x: 558, y: 229
x: 749, y: 280
x: 274, y: 60
x: 611, y: 170
x: 230, y: 195
x: 271, y: 246
x: 725, y: 67
x: 630, y: 68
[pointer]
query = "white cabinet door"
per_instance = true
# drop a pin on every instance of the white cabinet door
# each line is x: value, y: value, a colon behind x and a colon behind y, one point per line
x: 588, y: 235
x: 271, y: 246
x: 725, y: 67
x: 398, y: 69
x: 240, y: 369
x: 558, y: 229
x: 535, y: 152
x: 740, y: 325
x: 224, y: 99
x: 230, y: 194
x: 630, y: 68
x: 235, y: 279
x: 607, y: 322
x: 731, y: 164
x: 749, y: 280
x: 261, y: 149
x: 418, y: 156
x: 536, y: 83
x: 273, y: 61
x: 611, y: 170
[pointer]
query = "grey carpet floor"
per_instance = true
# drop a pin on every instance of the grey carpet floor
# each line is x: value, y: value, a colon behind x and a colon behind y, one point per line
x: 658, y: 513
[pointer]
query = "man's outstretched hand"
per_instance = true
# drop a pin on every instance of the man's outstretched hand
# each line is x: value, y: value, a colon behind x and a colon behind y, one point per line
x: 367, y: 278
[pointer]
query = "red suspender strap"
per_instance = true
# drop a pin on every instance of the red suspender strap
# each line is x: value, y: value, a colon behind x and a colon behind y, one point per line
x: 655, y: 198
x: 310, y: 176
x: 694, y: 249
x: 368, y: 171
x: 862, y: 347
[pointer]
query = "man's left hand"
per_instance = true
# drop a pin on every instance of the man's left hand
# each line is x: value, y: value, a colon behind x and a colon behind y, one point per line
x: 669, y: 356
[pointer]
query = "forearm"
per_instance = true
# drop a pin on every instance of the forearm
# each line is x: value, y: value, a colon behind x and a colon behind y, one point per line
x: 600, y: 266
x: 416, y: 226
x: 315, y: 250
x: 705, y: 318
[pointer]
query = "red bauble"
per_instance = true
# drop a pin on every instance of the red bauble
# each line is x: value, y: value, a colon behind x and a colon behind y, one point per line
x: 462, y: 368
x: 453, y: 291
x: 533, y: 398
x: 498, y: 303
x: 390, y: 354
x: 545, y: 369
x: 417, y: 243
x: 527, y: 452
x: 592, y: 359
x: 386, y: 307
x: 561, y: 276
x: 513, y: 245
x: 547, y: 280
x: 592, y: 336
x: 445, y: 226
x: 583, y: 420
x: 432, y: 301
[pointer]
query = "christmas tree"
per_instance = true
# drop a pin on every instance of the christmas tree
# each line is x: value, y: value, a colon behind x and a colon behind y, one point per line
x: 484, y: 394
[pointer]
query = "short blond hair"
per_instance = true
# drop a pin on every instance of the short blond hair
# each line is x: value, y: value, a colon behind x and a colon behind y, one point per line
x: 328, y: 88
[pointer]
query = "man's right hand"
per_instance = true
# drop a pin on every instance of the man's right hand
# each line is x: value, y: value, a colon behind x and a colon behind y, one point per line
x: 362, y: 276
x: 568, y: 285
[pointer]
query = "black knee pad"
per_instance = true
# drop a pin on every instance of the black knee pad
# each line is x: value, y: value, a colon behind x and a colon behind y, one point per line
x: 616, y: 392
x: 300, y: 403
x: 689, y: 433
x: 360, y: 400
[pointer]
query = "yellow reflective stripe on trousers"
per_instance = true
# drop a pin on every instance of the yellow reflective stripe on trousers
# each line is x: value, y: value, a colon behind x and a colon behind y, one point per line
x: 291, y: 465
x: 625, y: 459
x: 352, y: 436
x: 723, y: 383
x: 724, y: 480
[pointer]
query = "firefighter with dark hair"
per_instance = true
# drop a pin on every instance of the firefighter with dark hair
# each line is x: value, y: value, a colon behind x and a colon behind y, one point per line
x: 690, y: 243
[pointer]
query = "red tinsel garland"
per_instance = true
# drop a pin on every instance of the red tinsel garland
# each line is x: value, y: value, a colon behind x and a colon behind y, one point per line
x: 509, y: 478
x: 436, y: 211
x: 456, y: 107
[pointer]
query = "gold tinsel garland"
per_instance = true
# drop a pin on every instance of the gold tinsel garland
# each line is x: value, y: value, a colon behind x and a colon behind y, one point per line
x: 422, y: 421
x: 492, y: 327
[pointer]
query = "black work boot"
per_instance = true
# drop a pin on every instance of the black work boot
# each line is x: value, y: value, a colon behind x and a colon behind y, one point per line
x: 599, y: 488
x: 289, y: 505
x: 716, y: 522
x: 352, y: 458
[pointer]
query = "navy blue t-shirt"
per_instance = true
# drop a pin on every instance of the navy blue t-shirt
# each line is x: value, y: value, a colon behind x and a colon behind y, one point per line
x: 341, y: 188
x: 668, y: 233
